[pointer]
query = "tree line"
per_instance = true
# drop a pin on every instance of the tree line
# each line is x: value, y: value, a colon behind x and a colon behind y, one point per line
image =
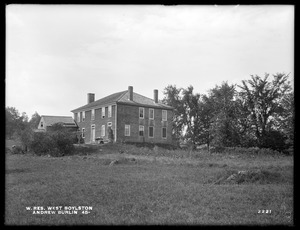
x: 259, y: 112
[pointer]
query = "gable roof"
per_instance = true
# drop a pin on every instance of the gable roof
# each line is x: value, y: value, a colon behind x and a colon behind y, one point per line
x: 66, y: 120
x: 141, y: 100
x: 123, y: 98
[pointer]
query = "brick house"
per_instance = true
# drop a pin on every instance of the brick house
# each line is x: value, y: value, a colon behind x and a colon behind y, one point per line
x: 46, y: 123
x: 125, y: 117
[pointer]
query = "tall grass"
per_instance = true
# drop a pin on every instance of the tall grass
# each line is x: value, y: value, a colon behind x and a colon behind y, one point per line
x: 180, y: 191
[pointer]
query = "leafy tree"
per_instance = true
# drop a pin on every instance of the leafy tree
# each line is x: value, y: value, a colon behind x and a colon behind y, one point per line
x: 173, y: 98
x: 288, y: 119
x: 204, y: 120
x: 191, y: 115
x: 14, y: 122
x: 223, y: 128
x: 265, y: 103
x: 34, y: 121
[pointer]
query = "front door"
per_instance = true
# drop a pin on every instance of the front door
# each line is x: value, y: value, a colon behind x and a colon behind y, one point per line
x: 93, y: 134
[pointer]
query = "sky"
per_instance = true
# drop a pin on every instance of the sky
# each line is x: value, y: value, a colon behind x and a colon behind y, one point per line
x: 56, y: 54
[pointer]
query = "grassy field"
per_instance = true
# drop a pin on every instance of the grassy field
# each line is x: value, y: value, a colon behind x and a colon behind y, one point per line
x: 144, y: 186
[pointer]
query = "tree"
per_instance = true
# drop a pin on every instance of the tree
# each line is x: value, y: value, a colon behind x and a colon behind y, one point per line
x: 173, y: 98
x: 223, y: 127
x: 191, y: 115
x: 264, y: 100
x: 14, y: 121
x: 204, y: 120
x: 34, y: 121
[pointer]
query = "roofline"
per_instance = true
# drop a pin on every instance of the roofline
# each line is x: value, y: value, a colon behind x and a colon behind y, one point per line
x: 94, y: 107
x: 99, y: 105
x: 144, y: 105
x: 54, y: 116
x: 114, y: 102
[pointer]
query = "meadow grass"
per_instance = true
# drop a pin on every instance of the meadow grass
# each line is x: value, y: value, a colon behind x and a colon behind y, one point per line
x: 153, y: 189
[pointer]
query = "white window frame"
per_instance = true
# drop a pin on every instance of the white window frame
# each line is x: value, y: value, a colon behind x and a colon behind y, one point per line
x: 141, y: 128
x: 143, y: 109
x: 166, y: 115
x: 83, y: 116
x: 102, y: 130
x: 103, y: 112
x: 83, y: 133
x: 127, y: 128
x: 149, y: 131
x: 151, y: 118
x: 162, y: 133
x: 92, y: 114
x: 109, y: 111
x: 78, y: 117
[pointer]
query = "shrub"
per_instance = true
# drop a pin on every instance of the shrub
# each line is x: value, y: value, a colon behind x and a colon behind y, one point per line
x: 41, y: 143
x: 55, y: 143
x: 17, y: 149
x: 274, y: 140
x: 63, y: 142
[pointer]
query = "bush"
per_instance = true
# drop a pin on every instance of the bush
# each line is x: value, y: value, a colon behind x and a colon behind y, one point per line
x: 41, y: 143
x: 274, y: 140
x: 55, y: 143
x: 17, y: 149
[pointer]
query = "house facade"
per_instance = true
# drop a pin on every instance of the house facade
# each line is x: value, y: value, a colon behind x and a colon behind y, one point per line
x: 125, y: 117
x: 46, y: 123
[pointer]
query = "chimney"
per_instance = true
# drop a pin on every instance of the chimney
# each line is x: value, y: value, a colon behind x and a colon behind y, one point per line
x: 155, y: 96
x: 130, y: 91
x: 90, y: 98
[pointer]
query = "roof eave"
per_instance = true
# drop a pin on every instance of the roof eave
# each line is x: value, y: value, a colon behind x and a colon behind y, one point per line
x: 145, y: 105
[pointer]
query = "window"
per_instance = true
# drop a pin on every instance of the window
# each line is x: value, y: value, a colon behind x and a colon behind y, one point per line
x: 141, y: 130
x: 93, y: 133
x: 141, y: 113
x: 93, y: 115
x: 164, y: 115
x: 151, y: 114
x: 42, y: 125
x: 164, y: 132
x: 103, y: 130
x: 109, y: 124
x: 151, y: 131
x: 83, y: 115
x: 109, y: 111
x: 78, y: 117
x: 83, y: 133
x: 127, y: 130
x: 103, y: 112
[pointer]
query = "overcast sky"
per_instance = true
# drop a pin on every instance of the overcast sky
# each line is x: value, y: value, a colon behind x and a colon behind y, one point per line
x: 56, y: 54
